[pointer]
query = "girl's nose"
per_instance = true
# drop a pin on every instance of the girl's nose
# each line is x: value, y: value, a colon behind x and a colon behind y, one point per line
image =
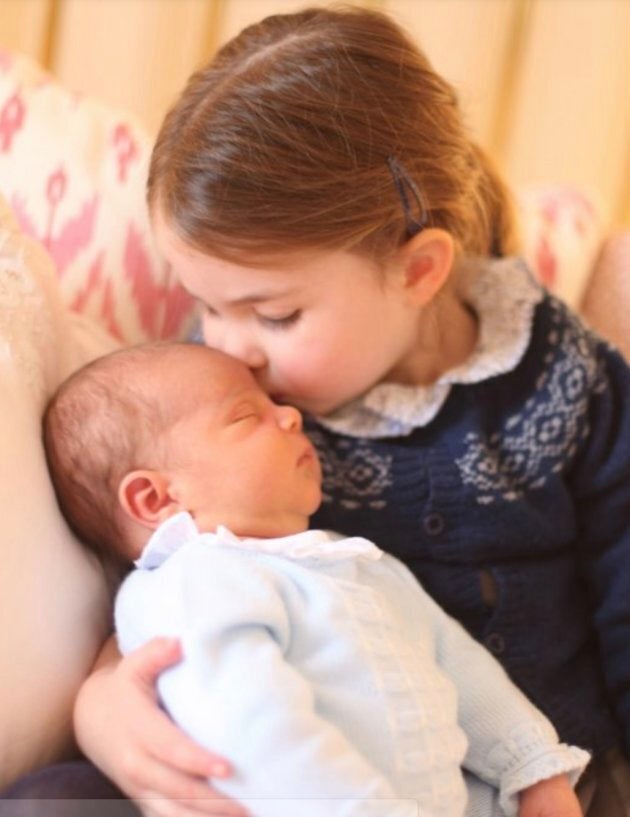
x: 238, y: 345
x: 252, y: 357
x: 289, y: 418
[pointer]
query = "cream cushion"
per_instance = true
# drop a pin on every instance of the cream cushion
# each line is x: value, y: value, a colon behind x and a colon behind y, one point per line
x: 53, y: 596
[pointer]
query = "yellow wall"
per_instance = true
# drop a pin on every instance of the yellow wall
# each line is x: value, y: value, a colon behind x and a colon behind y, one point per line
x: 544, y: 82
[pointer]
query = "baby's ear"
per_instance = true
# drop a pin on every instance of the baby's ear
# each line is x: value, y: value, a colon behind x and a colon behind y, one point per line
x: 426, y: 261
x: 144, y: 496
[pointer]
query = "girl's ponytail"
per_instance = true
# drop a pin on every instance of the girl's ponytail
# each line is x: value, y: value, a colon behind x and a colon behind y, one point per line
x: 495, y: 207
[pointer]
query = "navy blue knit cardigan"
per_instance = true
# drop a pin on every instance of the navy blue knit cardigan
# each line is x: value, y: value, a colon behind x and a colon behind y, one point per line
x: 512, y: 507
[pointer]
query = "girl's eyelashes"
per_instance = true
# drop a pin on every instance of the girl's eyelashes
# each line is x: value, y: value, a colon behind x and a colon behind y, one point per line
x: 280, y: 323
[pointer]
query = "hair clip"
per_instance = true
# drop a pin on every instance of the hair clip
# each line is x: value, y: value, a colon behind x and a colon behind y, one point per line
x: 405, y: 183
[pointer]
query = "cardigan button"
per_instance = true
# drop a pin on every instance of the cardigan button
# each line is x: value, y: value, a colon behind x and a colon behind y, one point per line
x: 434, y: 523
x: 495, y: 643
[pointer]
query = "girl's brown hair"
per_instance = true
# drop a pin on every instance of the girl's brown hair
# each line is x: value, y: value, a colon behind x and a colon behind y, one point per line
x: 285, y: 141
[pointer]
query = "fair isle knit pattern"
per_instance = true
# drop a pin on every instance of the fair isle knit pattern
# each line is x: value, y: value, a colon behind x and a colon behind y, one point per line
x: 359, y: 472
x: 546, y: 433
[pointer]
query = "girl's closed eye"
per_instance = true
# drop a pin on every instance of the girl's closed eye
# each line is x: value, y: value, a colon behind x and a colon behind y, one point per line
x: 280, y: 322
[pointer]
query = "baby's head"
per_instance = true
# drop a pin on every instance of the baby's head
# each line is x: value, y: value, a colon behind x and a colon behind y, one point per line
x: 145, y: 432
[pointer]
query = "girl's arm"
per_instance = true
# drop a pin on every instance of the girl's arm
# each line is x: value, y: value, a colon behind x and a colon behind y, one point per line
x: 121, y: 728
x: 600, y: 484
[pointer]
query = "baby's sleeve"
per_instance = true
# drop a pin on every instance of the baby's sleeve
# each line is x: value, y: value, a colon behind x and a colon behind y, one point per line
x: 236, y: 693
x: 511, y: 744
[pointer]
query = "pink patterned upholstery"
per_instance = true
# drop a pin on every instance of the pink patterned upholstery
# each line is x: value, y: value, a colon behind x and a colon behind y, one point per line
x: 562, y: 234
x: 73, y: 171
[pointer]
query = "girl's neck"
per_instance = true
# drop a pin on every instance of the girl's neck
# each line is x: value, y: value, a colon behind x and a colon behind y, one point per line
x: 447, y: 333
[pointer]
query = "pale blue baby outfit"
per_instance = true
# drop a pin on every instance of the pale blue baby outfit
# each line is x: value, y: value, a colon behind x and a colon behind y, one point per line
x: 334, y: 684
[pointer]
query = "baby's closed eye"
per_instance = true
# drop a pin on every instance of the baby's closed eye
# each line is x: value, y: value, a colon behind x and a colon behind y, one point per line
x: 244, y: 415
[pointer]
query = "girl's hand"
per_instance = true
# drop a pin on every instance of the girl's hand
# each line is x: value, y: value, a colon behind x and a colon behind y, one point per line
x: 550, y: 798
x: 120, y: 727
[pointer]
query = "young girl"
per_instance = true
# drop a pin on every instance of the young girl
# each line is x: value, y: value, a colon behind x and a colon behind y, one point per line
x: 316, y: 190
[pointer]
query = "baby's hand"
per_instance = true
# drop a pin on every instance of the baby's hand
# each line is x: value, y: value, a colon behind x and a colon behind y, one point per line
x: 550, y: 798
x: 121, y: 728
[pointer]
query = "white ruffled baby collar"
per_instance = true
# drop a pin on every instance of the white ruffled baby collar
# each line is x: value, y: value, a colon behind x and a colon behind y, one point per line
x: 503, y: 293
x: 321, y: 545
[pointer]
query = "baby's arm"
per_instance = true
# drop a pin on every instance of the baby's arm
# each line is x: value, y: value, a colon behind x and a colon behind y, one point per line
x: 512, y: 745
x: 236, y: 691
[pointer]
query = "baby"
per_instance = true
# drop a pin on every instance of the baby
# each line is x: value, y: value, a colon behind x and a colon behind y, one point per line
x: 315, y: 663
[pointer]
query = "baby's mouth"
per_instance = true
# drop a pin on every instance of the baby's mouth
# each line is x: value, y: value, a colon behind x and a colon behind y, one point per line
x: 307, y: 456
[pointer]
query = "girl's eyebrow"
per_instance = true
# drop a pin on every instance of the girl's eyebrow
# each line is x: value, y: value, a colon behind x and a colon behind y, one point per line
x: 252, y: 298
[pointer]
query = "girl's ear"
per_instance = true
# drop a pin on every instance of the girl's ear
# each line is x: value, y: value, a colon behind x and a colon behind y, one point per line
x: 426, y: 261
x: 144, y: 496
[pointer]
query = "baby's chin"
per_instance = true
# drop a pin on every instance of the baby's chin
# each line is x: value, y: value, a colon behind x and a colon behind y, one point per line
x: 288, y: 524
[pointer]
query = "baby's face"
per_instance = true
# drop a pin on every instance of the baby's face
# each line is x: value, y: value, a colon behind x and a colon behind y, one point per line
x: 236, y: 458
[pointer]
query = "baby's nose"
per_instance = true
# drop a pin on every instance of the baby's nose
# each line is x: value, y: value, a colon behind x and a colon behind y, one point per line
x: 289, y: 418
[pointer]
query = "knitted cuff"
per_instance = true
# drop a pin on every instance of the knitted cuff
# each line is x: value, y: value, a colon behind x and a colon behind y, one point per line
x: 560, y: 759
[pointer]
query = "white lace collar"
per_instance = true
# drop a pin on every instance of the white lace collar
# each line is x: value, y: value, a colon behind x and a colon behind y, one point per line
x: 311, y: 544
x: 503, y: 294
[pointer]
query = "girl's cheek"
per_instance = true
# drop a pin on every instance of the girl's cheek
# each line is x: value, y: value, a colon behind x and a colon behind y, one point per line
x: 205, y: 330
x: 211, y: 332
x: 305, y: 367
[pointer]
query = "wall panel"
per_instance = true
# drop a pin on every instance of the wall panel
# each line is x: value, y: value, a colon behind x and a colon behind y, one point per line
x: 145, y: 51
x: 467, y: 41
x: 542, y: 82
x: 24, y: 26
x: 571, y: 120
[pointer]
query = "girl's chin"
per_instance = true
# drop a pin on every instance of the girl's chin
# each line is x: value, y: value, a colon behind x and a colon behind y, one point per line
x: 314, y: 406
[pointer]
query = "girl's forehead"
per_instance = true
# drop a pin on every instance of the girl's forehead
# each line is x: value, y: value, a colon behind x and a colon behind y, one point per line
x: 209, y: 277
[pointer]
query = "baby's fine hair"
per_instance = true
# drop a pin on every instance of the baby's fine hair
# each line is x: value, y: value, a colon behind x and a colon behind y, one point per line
x: 300, y: 133
x: 101, y: 423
